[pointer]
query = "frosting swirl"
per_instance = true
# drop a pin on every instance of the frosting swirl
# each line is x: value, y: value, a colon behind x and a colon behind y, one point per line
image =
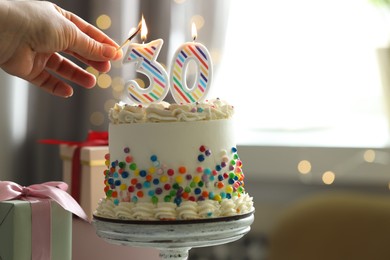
x: 165, y: 112
x: 169, y: 211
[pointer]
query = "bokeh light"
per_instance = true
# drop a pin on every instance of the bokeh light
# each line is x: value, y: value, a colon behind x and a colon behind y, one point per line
x: 103, y: 22
x: 104, y: 81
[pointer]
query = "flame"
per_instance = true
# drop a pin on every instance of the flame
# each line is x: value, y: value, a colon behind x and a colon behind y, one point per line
x: 194, y: 32
x: 144, y: 29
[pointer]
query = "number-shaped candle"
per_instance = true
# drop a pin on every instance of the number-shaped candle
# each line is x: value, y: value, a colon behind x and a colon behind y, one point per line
x: 146, y: 55
x: 184, y: 54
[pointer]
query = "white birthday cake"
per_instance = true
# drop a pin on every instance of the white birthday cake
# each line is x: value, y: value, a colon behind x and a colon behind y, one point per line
x: 173, y: 162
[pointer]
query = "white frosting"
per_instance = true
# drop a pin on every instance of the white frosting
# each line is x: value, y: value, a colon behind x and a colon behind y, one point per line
x: 169, y: 211
x: 164, y: 112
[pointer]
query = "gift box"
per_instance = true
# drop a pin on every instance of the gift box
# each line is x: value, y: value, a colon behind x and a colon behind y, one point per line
x: 90, y: 177
x: 16, y: 236
x: 36, y: 222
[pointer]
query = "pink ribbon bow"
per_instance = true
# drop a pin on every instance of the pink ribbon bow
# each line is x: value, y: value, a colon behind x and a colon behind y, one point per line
x: 39, y: 196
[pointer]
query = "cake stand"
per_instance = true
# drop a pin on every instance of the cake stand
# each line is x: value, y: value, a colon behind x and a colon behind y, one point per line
x: 175, y: 238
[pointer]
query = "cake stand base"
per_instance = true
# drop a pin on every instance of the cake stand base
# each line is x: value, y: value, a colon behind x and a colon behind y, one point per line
x: 175, y: 238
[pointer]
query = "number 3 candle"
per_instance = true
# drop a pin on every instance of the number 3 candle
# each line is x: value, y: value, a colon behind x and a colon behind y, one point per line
x: 183, y: 55
x: 145, y: 55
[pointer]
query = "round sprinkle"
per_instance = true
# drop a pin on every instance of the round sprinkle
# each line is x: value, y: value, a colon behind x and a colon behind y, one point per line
x: 142, y: 173
x: 191, y: 198
x: 220, y: 185
x: 187, y: 189
x: 134, y: 199
x: 207, y: 171
x: 146, y: 185
x: 177, y: 200
x: 114, y: 194
x: 110, y: 181
x: 115, y: 175
x: 167, y: 198
x: 167, y: 186
x: 116, y: 202
x: 207, y: 153
x: 154, y: 200
x: 185, y: 195
x: 138, y: 185
x: 182, y: 169
x: 153, y: 158
x: 149, y: 177
x: 156, y: 181
x: 223, y: 164
x: 202, y: 148
x: 192, y: 184
x: 122, y: 164
x: 133, y: 166
x: 109, y: 193
x: 170, y: 172
x: 198, y: 191
x: 200, y: 184
x: 234, y: 149
x: 126, y: 150
x: 176, y: 186
x: 107, y: 156
x: 158, y: 191
x: 201, y: 157
x: 218, y: 167
x: 129, y: 159
x: 217, y: 197
x: 188, y: 177
x: 140, y: 194
x: 151, y: 193
x: 199, y: 169
x: 179, y: 179
x: 197, y: 179
x: 123, y: 186
x: 220, y: 178
x: 164, y: 178
x: 134, y: 181
x: 160, y: 171
x: 205, y: 194
x: 131, y: 188
x: 125, y: 175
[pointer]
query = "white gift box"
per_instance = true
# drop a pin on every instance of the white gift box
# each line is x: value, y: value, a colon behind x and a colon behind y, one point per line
x: 92, y: 160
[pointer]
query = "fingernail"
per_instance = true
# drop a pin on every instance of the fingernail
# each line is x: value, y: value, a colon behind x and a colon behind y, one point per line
x: 109, y: 52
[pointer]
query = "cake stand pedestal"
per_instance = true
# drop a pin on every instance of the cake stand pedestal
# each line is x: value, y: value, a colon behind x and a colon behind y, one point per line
x: 175, y: 238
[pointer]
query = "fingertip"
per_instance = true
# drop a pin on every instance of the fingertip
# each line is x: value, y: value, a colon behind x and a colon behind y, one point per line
x: 109, y: 52
x: 119, y: 54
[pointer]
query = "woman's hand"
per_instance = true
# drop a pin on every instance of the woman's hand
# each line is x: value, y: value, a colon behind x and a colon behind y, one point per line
x: 32, y: 35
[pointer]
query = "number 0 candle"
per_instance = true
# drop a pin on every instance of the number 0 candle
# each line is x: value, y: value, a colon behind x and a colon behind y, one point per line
x: 183, y: 55
x: 145, y: 55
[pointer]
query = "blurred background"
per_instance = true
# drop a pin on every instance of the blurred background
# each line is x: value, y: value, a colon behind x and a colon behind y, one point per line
x: 310, y: 81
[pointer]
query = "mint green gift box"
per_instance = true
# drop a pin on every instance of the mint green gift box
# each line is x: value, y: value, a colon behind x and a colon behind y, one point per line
x: 15, y: 231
